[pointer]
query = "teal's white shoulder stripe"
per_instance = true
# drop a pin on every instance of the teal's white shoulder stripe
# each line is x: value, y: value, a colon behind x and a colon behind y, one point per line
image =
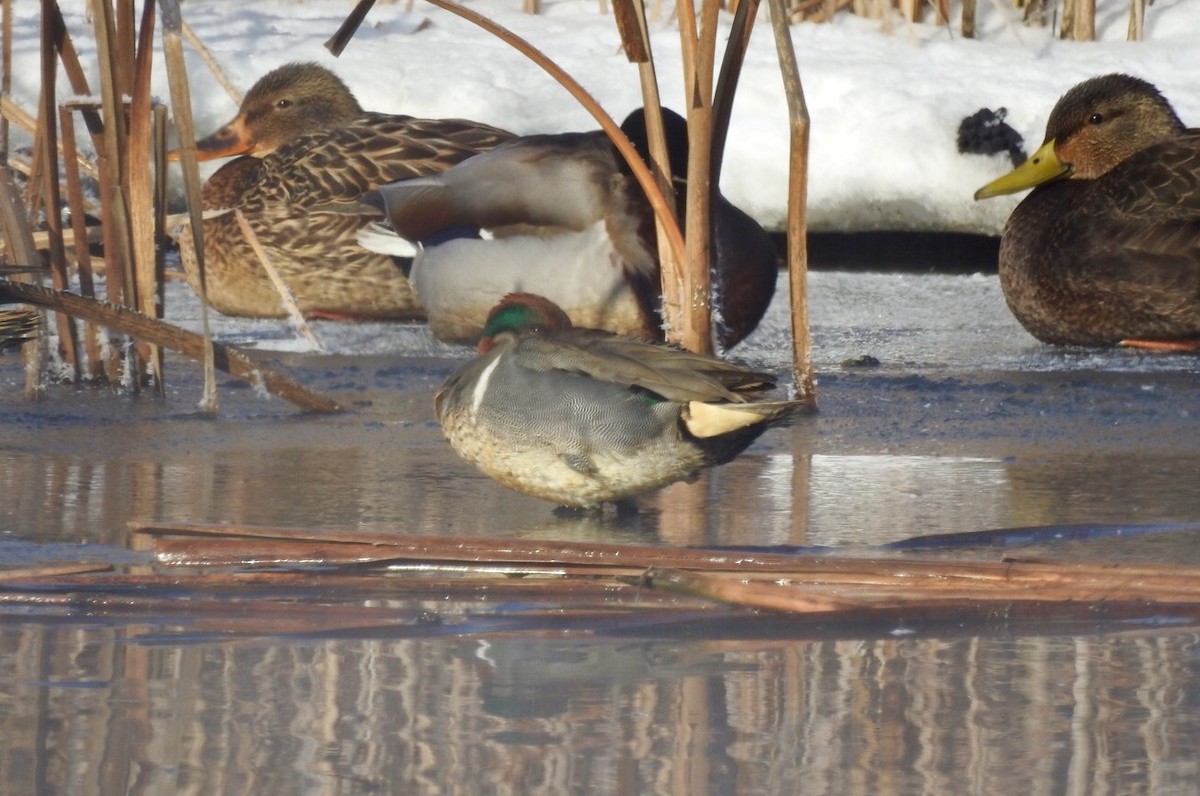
x: 481, y: 385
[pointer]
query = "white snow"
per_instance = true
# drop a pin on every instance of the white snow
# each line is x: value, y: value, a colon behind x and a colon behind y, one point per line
x: 885, y: 110
x: 885, y: 107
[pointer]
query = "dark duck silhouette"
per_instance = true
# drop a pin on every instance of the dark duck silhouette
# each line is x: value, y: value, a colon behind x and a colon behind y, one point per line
x: 1106, y: 248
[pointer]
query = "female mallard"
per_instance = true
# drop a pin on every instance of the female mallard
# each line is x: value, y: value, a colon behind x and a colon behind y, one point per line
x: 308, y: 151
x: 585, y: 237
x: 582, y: 417
x: 1106, y: 249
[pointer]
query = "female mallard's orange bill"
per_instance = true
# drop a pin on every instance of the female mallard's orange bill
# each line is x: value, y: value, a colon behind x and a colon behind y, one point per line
x: 232, y: 139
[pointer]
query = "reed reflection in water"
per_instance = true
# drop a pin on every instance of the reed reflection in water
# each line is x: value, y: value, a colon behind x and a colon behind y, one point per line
x: 769, y: 496
x: 89, y: 709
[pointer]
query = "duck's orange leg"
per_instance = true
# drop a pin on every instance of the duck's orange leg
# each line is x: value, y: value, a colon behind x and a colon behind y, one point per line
x: 1164, y: 346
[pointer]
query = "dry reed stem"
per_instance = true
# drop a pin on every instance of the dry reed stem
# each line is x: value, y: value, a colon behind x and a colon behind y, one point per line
x: 75, y: 75
x: 281, y: 287
x: 206, y: 55
x: 340, y: 584
x: 968, y: 19
x: 12, y: 112
x: 616, y: 594
x: 727, y: 81
x: 228, y: 358
x: 14, y: 224
x: 695, y: 315
x: 50, y: 147
x: 181, y: 104
x: 146, y: 235
x: 113, y: 188
x: 80, y: 231
x: 41, y: 238
x: 1137, y: 20
x: 310, y: 603
x: 810, y: 597
x: 490, y: 550
x: 897, y: 577
x: 732, y: 591
x: 630, y: 17
x: 350, y: 25
x: 6, y: 39
x: 797, y: 223
x: 816, y: 10
x: 112, y: 152
x: 57, y: 572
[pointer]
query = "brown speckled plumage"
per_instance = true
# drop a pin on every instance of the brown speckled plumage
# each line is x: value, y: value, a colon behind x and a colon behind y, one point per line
x: 301, y: 201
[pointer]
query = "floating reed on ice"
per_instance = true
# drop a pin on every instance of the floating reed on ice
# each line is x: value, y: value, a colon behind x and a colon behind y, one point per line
x: 341, y: 575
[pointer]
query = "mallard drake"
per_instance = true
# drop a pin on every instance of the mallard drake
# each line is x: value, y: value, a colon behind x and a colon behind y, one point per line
x: 1106, y: 249
x: 17, y: 327
x: 307, y: 152
x: 584, y: 237
x: 582, y: 416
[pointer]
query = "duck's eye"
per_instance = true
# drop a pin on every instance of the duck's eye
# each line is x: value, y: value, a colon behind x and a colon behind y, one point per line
x: 283, y: 104
x: 1095, y: 118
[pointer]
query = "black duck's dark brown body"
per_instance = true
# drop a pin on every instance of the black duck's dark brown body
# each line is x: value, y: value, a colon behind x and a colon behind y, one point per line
x: 1095, y: 262
x: 1106, y: 249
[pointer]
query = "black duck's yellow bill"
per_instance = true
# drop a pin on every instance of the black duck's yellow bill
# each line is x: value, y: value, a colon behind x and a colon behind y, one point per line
x: 1041, y: 167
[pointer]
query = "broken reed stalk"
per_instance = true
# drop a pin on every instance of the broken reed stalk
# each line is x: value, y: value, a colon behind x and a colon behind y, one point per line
x: 797, y: 223
x: 698, y: 45
x: 118, y: 242
x: 747, y: 564
x: 41, y: 238
x: 630, y: 16
x: 55, y: 571
x: 6, y: 38
x: 968, y: 19
x: 181, y: 104
x: 854, y: 588
x: 309, y: 602
x: 81, y: 239
x: 732, y: 591
x: 727, y: 81
x: 227, y: 358
x: 1087, y: 25
x: 49, y: 148
x: 11, y: 112
x: 281, y: 287
x: 75, y: 76
x: 14, y: 224
x: 1137, y: 20
x: 350, y: 25
x: 206, y: 55
x: 274, y: 603
x: 146, y: 234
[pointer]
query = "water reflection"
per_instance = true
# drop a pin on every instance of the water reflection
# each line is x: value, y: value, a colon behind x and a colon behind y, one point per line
x: 90, y: 710
x: 770, y: 496
x: 162, y: 705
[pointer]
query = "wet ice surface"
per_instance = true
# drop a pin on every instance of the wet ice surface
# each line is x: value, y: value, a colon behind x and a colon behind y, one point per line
x: 967, y: 424
x: 910, y: 322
